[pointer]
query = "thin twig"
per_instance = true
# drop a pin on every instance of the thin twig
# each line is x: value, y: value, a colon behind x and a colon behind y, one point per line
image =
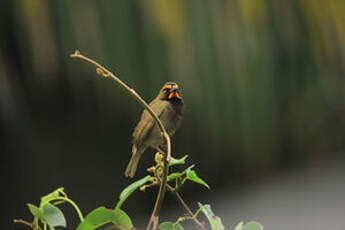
x: 31, y: 225
x: 186, y: 208
x: 166, y: 157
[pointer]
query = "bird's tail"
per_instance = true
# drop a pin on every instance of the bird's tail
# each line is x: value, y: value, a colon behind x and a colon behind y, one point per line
x: 133, y: 163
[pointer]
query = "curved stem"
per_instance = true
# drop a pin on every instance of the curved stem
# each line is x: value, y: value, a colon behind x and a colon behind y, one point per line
x: 75, y: 206
x: 166, y: 157
x: 133, y: 93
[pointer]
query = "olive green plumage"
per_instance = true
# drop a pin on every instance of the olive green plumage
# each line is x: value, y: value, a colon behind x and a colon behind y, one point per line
x: 169, y: 107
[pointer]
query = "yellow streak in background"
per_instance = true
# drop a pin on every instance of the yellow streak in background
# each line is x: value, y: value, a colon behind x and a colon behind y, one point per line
x: 326, y: 24
x: 37, y: 20
x: 170, y: 18
x: 253, y: 11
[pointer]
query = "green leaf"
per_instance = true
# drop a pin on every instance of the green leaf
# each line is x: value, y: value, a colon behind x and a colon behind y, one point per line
x: 35, y: 211
x: 215, y: 221
x: 53, y: 215
x: 187, y: 169
x: 130, y: 189
x: 173, y: 176
x: 122, y: 219
x: 252, y: 225
x: 97, y: 218
x: 239, y: 226
x: 174, y: 161
x: 101, y: 216
x: 191, y: 175
x: 170, y: 226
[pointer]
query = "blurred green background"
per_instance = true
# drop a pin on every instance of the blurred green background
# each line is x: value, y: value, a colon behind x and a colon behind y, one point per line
x: 263, y: 82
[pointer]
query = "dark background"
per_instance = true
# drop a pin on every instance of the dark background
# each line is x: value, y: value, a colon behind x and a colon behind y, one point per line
x: 263, y: 82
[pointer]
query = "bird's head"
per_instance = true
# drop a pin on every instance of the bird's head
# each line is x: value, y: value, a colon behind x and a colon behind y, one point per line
x: 170, y: 91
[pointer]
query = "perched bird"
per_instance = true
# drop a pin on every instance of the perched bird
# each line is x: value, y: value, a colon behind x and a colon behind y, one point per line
x: 169, y: 107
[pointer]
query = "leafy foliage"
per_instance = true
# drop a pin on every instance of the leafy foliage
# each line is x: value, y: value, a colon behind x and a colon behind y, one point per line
x: 174, y: 161
x: 191, y: 175
x: 101, y: 216
x: 49, y: 214
x: 130, y: 189
x: 188, y: 173
x: 215, y: 221
x: 170, y: 226
x: 176, y: 175
x: 36, y: 211
x: 252, y: 225
x: 53, y: 215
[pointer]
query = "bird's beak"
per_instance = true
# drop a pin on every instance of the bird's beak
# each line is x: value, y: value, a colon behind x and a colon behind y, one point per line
x: 174, y: 93
x: 173, y: 88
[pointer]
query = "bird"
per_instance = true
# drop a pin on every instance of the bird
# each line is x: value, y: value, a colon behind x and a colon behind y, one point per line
x: 169, y: 107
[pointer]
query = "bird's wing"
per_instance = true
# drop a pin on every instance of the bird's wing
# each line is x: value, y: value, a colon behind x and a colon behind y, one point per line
x: 146, y: 122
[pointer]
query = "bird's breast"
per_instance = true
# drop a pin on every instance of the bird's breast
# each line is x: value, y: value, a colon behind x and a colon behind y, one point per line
x: 172, y: 117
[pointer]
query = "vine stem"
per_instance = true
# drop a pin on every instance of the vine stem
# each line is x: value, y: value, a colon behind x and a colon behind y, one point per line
x: 185, y: 207
x: 153, y: 223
